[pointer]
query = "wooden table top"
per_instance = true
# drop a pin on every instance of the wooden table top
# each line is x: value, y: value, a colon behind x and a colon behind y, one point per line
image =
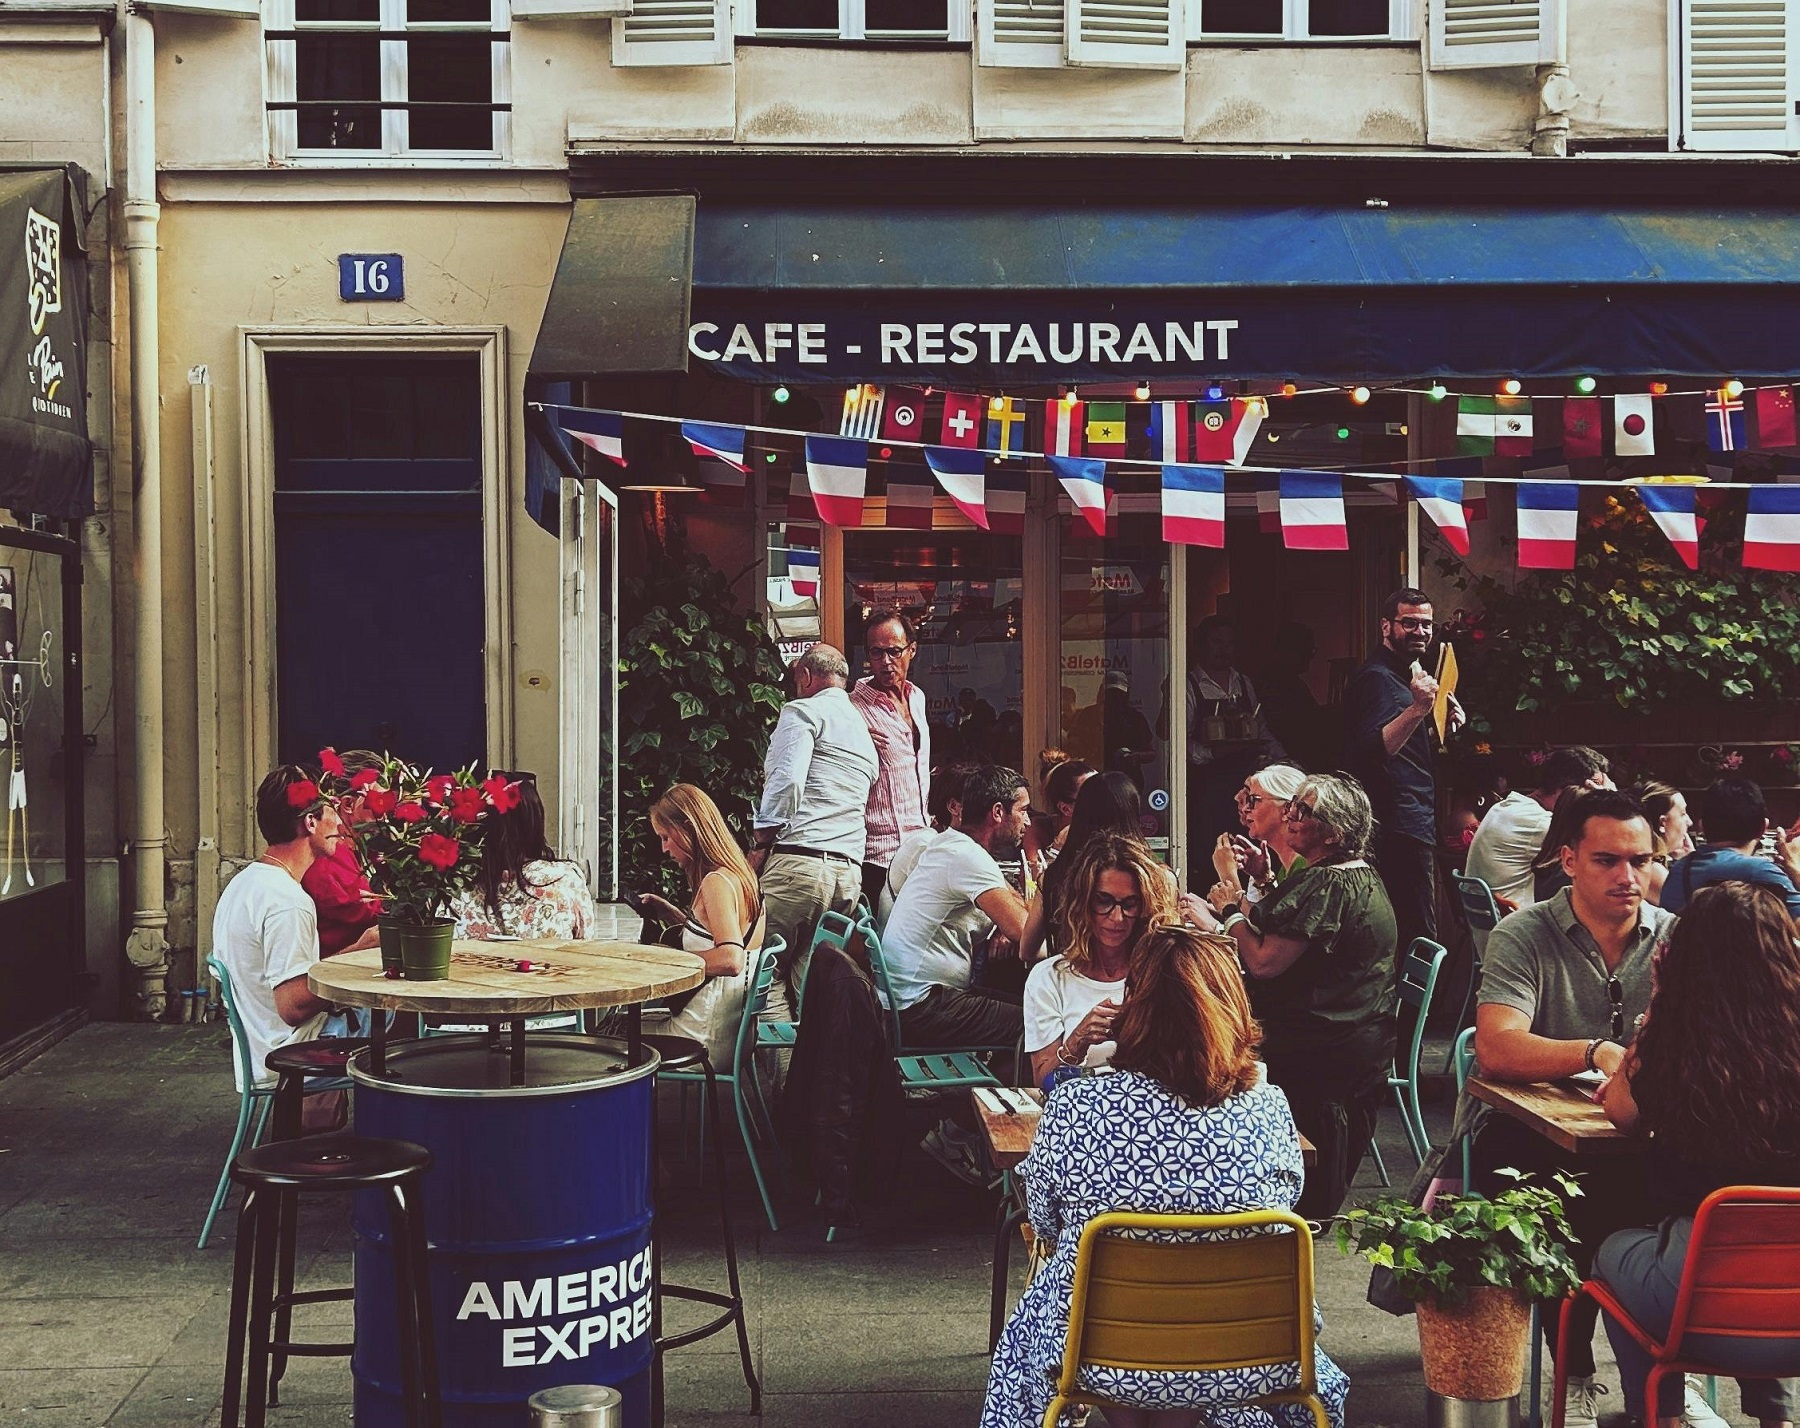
x: 1560, y: 1111
x: 485, y: 981
x: 1009, y: 1135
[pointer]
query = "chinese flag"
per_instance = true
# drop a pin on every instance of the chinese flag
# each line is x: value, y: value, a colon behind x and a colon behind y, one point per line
x: 1775, y: 418
x: 1581, y: 427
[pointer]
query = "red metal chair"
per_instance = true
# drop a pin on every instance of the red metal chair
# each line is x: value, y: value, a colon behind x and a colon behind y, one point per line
x: 1741, y: 1280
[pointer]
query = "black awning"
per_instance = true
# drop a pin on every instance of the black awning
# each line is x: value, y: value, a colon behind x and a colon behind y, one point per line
x: 619, y: 302
x: 46, y: 460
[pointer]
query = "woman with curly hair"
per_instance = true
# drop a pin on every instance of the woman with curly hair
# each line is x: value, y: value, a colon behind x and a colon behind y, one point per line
x: 1713, y: 1080
x: 1184, y: 1124
x: 1113, y: 892
x: 1105, y: 804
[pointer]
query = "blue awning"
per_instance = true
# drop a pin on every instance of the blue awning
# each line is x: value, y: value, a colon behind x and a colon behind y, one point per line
x: 1025, y: 295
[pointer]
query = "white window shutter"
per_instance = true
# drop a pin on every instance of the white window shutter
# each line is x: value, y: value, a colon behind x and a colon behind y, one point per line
x: 234, y: 9
x: 674, y: 32
x: 1019, y: 34
x: 1737, y: 90
x: 568, y: 9
x: 1127, y: 34
x: 1489, y: 34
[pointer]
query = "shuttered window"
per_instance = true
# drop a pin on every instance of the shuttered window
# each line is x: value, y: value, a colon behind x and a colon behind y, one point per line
x: 1488, y: 34
x: 1737, y: 88
x: 1020, y: 33
x: 1129, y: 34
x: 674, y: 32
x: 1270, y: 20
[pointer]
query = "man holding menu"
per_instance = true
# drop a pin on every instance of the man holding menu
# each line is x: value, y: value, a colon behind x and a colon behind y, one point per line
x: 1388, y: 713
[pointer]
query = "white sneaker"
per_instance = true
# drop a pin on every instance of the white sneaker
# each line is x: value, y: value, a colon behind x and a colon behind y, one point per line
x: 956, y: 1152
x: 1582, y: 1404
x: 1698, y: 1412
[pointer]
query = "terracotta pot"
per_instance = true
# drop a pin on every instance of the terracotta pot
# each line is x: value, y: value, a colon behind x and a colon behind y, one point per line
x: 1475, y: 1349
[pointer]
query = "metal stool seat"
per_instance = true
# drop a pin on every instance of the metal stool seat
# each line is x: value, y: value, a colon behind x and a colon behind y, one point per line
x: 273, y: 1177
x: 681, y: 1053
x: 302, y: 1061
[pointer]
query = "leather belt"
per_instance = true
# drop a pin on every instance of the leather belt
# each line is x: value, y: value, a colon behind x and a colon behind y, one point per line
x: 794, y: 850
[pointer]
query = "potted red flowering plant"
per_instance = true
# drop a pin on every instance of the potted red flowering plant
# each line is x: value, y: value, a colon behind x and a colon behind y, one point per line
x: 418, y: 835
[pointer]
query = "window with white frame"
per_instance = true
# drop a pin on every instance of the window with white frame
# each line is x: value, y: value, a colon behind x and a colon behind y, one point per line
x: 1303, y: 19
x: 373, y: 79
x: 855, y: 19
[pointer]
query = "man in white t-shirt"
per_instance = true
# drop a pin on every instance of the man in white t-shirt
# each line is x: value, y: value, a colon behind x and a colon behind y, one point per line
x: 265, y: 929
x: 1513, y: 830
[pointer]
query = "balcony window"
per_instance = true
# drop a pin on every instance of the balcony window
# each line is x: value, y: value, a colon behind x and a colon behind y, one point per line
x: 854, y: 20
x: 1304, y: 20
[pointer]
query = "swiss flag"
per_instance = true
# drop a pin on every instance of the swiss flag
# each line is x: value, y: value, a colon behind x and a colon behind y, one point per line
x: 904, y: 419
x: 962, y: 421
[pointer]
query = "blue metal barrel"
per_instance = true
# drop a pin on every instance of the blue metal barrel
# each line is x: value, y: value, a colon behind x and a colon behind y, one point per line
x: 537, y: 1218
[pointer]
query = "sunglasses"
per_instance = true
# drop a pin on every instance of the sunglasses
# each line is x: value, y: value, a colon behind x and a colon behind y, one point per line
x: 1615, y: 993
x: 1105, y: 905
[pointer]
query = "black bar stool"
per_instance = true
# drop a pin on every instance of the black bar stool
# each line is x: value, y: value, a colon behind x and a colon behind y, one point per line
x: 273, y: 1177
x: 680, y: 1053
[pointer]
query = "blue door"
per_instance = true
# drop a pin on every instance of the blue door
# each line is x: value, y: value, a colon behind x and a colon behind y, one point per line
x: 378, y: 557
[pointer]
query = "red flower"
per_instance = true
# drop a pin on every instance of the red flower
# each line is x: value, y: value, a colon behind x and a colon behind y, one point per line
x: 302, y: 794
x: 364, y: 778
x: 438, y: 851
x: 331, y: 763
x: 381, y: 801
x: 467, y: 805
x: 409, y: 812
x: 503, y: 795
x: 437, y: 788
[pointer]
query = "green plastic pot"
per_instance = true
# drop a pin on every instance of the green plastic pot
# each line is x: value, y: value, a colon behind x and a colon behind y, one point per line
x: 390, y: 945
x: 424, y: 949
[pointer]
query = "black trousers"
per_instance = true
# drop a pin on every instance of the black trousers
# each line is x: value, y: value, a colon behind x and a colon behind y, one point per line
x: 1339, y: 1119
x: 874, y: 880
x: 1408, y: 871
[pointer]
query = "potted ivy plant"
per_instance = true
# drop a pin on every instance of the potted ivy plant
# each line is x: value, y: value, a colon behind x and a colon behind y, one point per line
x: 1473, y: 1267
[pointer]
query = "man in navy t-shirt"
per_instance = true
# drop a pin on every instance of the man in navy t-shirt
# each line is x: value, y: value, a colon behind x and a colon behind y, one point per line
x: 1734, y: 819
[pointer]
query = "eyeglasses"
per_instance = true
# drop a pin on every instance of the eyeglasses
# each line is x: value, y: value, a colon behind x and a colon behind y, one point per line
x: 1249, y: 799
x: 1413, y: 624
x: 1294, y: 811
x: 1615, y: 993
x: 1105, y: 905
x: 890, y: 652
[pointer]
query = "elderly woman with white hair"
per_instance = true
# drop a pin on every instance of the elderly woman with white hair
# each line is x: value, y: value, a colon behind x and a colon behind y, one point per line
x: 1319, y: 954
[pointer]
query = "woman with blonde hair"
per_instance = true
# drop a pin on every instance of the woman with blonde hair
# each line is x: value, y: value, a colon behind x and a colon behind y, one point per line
x: 724, y: 923
x: 1184, y: 1124
x: 1113, y: 892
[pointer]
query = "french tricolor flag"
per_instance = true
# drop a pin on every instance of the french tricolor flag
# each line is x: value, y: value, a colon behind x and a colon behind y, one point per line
x: 1442, y: 500
x: 721, y: 443
x: 1268, y: 503
x: 1772, y: 528
x: 803, y: 571
x: 963, y: 475
x: 1549, y: 515
x: 1312, y: 511
x: 837, y: 469
x: 1672, y: 508
x: 1084, y: 478
x: 603, y: 432
x: 1193, y: 505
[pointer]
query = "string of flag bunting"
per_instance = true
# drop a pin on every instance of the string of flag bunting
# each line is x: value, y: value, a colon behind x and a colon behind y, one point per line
x: 982, y: 440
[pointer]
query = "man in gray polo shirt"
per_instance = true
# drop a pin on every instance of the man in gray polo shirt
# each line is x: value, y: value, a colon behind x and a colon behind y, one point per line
x: 1562, y: 987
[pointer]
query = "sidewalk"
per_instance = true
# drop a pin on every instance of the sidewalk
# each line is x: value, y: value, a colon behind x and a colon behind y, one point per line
x: 110, y: 1145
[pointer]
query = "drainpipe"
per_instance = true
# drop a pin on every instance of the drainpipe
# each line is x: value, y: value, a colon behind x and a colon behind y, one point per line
x: 146, y: 947
x: 1556, y: 97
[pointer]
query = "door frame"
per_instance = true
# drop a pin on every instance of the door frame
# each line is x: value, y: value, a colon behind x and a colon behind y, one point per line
x: 257, y: 345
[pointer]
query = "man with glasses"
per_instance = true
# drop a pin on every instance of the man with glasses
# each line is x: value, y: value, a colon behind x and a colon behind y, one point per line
x: 894, y: 709
x: 1387, y: 715
x: 1562, y: 988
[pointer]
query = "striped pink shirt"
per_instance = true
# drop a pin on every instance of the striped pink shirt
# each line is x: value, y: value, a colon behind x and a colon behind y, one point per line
x: 897, y: 799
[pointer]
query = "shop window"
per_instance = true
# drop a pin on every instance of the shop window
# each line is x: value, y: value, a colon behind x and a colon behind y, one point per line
x: 1304, y: 19
x: 857, y: 19
x: 379, y: 79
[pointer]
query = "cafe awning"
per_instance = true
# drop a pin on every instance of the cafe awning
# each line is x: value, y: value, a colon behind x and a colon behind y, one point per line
x: 1025, y: 295
x: 46, y: 462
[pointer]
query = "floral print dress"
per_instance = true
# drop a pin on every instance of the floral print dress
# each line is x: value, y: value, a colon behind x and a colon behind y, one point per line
x: 550, y: 899
x: 1121, y: 1141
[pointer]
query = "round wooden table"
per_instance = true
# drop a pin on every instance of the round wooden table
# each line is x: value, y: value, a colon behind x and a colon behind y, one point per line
x: 485, y: 984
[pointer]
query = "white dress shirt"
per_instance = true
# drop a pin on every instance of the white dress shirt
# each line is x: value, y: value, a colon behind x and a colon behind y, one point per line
x: 817, y: 775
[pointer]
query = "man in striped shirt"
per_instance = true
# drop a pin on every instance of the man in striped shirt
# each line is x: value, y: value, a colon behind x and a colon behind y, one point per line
x: 894, y: 709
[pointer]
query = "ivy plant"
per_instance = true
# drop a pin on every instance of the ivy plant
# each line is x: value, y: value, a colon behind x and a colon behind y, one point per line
x: 700, y: 686
x: 1630, y: 625
x: 1518, y: 1240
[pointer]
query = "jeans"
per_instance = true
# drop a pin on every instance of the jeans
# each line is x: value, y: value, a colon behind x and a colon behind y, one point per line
x: 797, y: 891
x: 1408, y: 871
x: 1643, y: 1268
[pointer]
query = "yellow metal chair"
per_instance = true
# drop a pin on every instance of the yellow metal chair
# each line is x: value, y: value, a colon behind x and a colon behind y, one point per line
x: 1191, y: 1304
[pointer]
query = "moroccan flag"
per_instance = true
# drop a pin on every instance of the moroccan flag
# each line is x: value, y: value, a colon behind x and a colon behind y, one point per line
x: 904, y: 419
x: 1775, y: 419
x: 1106, y: 428
x: 1513, y: 426
x: 1006, y: 500
x: 1063, y: 422
x: 962, y: 421
x: 909, y: 492
x: 1582, y: 431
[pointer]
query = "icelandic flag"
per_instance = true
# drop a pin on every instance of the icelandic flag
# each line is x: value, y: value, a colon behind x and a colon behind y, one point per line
x: 1006, y: 500
x: 962, y: 474
x: 1085, y: 481
x: 1772, y: 528
x: 1672, y: 508
x: 1063, y: 422
x: 1193, y: 505
x: 1171, y: 433
x: 722, y: 443
x: 1268, y: 503
x: 1312, y: 511
x: 1549, y: 515
x: 909, y: 491
x: 837, y: 469
x: 598, y: 431
x: 1442, y: 500
x: 1724, y: 422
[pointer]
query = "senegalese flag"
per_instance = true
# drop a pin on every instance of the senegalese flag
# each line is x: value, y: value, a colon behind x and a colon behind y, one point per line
x: 1105, y: 428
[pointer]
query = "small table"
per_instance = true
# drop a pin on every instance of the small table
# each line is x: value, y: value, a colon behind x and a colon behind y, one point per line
x: 485, y: 984
x: 1560, y: 1111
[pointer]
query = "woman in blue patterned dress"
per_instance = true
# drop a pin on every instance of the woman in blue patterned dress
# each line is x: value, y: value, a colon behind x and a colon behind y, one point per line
x: 1184, y: 1124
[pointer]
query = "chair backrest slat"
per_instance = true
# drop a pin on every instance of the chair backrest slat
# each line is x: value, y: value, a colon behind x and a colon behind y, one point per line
x: 240, y: 1039
x: 871, y: 940
x: 1478, y: 903
x: 1742, y: 1276
x: 1418, y: 985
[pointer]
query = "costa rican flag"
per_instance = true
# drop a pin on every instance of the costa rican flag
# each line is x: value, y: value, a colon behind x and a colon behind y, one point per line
x: 1672, y: 508
x: 722, y: 443
x: 1312, y: 511
x: 1085, y: 481
x: 1724, y: 422
x: 862, y: 411
x: 1171, y: 432
x: 1006, y: 500
x: 1193, y: 505
x: 838, y: 472
x: 1549, y: 516
x: 1062, y: 428
x: 1442, y: 500
x: 603, y: 432
x: 962, y: 474
x: 1772, y: 528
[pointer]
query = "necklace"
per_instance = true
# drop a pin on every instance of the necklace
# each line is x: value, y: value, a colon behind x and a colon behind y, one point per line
x: 276, y: 862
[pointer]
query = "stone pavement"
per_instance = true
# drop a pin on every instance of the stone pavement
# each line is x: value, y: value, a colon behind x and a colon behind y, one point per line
x: 110, y: 1145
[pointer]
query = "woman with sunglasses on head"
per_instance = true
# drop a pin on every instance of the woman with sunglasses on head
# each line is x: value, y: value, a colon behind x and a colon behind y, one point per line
x: 1249, y: 868
x: 524, y: 889
x: 1320, y: 957
x: 1114, y: 892
x: 1184, y: 1124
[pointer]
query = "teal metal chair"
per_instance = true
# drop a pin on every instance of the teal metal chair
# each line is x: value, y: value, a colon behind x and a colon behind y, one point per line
x: 746, y: 1096
x: 1418, y: 985
x: 834, y: 930
x: 923, y: 1068
x: 1483, y: 914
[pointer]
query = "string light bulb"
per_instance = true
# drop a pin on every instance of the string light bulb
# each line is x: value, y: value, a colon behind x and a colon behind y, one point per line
x: 1734, y: 389
x: 1512, y: 386
x: 1343, y: 433
x: 1359, y: 395
x: 1437, y: 392
x: 1585, y: 385
x: 1141, y: 391
x: 1070, y: 397
x: 1288, y: 389
x: 995, y: 404
x: 781, y: 394
x: 1659, y: 389
x: 1215, y: 393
